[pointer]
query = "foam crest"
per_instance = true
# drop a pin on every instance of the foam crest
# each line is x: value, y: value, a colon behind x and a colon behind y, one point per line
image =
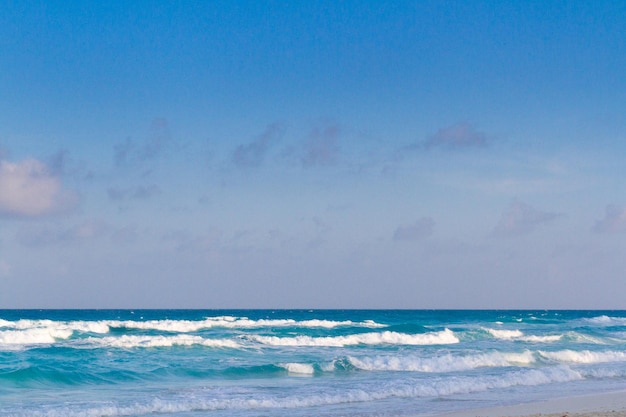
x: 183, y: 326
x: 23, y: 324
x: 524, y: 358
x: 542, y: 339
x: 584, y: 338
x: 392, y: 338
x: 33, y: 336
x: 504, y: 334
x: 80, y: 326
x: 444, y: 363
x: 299, y: 368
x: 605, y: 320
x: 519, y: 335
x: 128, y: 342
x: 89, y: 326
x: 585, y: 356
x: 229, y: 322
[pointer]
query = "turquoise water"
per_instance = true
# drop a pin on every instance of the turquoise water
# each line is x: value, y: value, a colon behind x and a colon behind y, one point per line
x: 301, y: 363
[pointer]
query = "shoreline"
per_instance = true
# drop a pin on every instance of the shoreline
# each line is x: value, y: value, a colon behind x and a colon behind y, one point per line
x: 611, y: 404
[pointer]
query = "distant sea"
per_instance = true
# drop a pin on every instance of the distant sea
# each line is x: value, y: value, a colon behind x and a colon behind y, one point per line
x: 188, y: 363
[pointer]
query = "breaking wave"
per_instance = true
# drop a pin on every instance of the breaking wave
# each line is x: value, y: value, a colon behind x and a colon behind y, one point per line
x: 445, y: 363
x: 585, y: 356
x: 183, y: 326
x: 519, y: 335
x: 205, y: 401
x: 34, y: 336
x: 443, y: 337
x: 129, y: 342
x: 299, y: 368
x: 605, y: 320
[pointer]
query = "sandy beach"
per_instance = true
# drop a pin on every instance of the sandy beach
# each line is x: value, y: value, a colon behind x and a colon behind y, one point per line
x: 611, y: 404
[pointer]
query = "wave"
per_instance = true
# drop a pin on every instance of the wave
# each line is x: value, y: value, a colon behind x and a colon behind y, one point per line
x: 35, y: 336
x: 445, y: 363
x: 299, y: 368
x: 79, y: 326
x: 204, y: 400
x: 129, y: 342
x: 52, y: 335
x: 605, y: 320
x: 519, y: 335
x: 504, y: 334
x: 184, y: 326
x: 443, y: 337
x: 584, y: 356
x: 236, y: 323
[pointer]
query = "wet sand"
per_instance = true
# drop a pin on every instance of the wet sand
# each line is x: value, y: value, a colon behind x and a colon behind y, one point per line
x: 611, y: 404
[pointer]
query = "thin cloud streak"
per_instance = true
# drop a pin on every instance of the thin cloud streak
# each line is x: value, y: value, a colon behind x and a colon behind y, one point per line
x: 39, y: 236
x: 614, y: 220
x: 520, y: 219
x: 141, y: 192
x: 253, y: 154
x: 422, y: 228
x: 321, y: 149
x: 457, y: 136
x: 131, y: 152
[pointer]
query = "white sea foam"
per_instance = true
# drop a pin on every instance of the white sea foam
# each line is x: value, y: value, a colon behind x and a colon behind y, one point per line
x: 444, y: 363
x: 605, y: 320
x: 393, y: 338
x: 205, y: 400
x: 80, y: 326
x: 523, y: 358
x: 23, y: 324
x: 585, y: 356
x: 519, y: 335
x: 186, y: 326
x: 328, y: 366
x: 235, y: 323
x: 129, y: 342
x: 299, y: 368
x: 33, y: 336
x: 585, y: 338
x: 542, y: 339
x: 603, y: 373
x: 505, y: 334
x: 181, y: 326
x: 89, y: 326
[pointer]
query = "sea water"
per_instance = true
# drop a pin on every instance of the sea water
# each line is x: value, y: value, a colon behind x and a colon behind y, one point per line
x: 301, y: 363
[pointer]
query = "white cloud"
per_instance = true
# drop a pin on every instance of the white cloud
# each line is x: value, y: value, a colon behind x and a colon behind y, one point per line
x: 42, y: 235
x: 29, y: 189
x: 418, y: 230
x: 614, y: 220
x: 520, y: 218
x: 252, y: 154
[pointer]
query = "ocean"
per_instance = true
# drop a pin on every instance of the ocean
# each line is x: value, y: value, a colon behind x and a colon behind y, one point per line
x: 188, y: 363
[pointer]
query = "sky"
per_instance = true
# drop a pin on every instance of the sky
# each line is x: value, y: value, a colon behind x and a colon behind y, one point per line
x: 313, y: 154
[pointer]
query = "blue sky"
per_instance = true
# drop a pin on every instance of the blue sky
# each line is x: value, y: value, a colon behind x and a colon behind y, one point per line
x: 313, y: 154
